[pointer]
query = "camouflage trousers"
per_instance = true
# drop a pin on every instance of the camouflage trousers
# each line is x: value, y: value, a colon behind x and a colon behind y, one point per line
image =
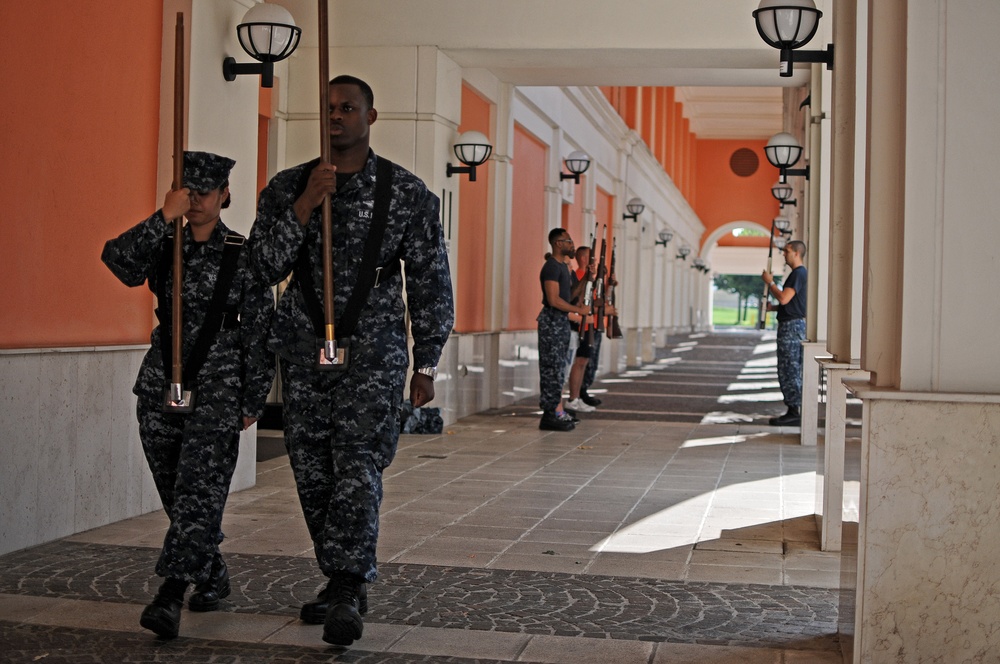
x: 595, y: 358
x: 553, y: 348
x: 791, y: 334
x: 341, y: 431
x: 192, y: 458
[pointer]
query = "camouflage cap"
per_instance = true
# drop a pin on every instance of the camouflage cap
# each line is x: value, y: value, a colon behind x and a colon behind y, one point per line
x: 204, y: 171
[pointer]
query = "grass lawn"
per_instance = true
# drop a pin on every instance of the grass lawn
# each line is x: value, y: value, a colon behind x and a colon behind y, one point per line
x: 726, y: 316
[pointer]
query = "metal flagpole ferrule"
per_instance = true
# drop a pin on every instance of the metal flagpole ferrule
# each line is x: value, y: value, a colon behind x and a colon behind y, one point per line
x: 178, y: 400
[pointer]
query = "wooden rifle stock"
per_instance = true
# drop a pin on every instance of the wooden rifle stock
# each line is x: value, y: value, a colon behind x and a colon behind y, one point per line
x: 586, y: 328
x: 614, y: 330
x: 762, y: 313
x: 599, y: 287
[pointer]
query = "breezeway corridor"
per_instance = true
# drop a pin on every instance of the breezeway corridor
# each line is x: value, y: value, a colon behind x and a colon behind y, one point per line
x: 673, y: 525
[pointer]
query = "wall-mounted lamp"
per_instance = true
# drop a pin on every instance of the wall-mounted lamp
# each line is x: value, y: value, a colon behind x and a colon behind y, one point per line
x: 635, y: 207
x: 783, y: 192
x: 577, y: 163
x: 683, y: 252
x: 780, y: 242
x: 472, y: 149
x: 783, y: 224
x: 783, y: 151
x: 268, y: 34
x: 666, y: 235
x: 788, y: 25
x: 698, y: 263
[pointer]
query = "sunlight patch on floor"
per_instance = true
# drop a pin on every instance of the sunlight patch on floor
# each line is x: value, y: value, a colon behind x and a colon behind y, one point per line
x: 674, y: 526
x: 757, y: 397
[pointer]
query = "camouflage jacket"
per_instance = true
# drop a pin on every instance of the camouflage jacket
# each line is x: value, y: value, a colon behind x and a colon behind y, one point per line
x: 413, y: 234
x: 239, y: 356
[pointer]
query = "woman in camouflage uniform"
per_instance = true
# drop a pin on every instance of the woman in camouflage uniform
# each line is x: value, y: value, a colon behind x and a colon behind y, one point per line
x: 192, y: 455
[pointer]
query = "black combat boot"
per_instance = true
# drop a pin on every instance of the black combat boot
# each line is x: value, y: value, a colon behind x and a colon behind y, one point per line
x: 163, y: 615
x: 552, y: 422
x: 790, y: 419
x: 314, y: 612
x: 343, y: 624
x: 207, y: 594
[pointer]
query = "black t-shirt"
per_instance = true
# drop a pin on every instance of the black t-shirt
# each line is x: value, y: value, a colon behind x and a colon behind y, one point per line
x: 796, y: 307
x: 554, y: 270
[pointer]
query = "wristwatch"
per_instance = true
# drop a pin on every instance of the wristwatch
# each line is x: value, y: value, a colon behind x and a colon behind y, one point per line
x: 431, y: 372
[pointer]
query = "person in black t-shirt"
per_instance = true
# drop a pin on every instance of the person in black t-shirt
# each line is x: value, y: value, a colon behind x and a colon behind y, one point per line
x: 791, y: 310
x: 554, y: 330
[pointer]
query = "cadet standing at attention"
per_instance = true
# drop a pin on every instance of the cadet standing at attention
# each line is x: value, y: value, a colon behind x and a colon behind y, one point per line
x: 226, y: 315
x: 342, y: 426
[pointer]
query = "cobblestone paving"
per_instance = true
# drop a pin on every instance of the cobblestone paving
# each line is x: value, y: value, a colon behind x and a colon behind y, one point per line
x: 21, y: 643
x: 494, y: 600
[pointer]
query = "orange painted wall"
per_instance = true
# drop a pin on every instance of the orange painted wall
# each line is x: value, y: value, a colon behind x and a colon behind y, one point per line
x: 528, y: 230
x: 725, y: 197
x: 470, y: 297
x: 79, y: 134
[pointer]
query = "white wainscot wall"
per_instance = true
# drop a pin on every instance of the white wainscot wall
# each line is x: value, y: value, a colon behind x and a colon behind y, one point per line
x: 72, y: 457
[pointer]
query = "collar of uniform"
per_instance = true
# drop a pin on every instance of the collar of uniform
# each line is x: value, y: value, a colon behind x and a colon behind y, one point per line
x: 216, y: 241
x: 366, y: 177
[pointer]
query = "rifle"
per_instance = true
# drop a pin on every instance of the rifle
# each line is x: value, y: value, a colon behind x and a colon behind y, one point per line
x: 177, y: 399
x: 586, y: 329
x: 614, y: 331
x: 330, y: 357
x: 599, y: 286
x: 762, y: 313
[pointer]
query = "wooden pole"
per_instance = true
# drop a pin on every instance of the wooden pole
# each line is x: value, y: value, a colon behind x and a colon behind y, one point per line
x: 176, y: 372
x: 324, y: 152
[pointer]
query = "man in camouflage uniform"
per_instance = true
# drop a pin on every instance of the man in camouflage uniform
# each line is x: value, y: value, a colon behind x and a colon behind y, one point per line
x: 342, y: 427
x: 554, y: 330
x: 192, y: 455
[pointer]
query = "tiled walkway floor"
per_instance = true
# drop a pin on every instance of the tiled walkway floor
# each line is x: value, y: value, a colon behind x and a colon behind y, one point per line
x: 626, y: 540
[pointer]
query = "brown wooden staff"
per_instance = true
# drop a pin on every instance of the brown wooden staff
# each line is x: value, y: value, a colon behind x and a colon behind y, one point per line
x: 330, y: 357
x: 178, y: 399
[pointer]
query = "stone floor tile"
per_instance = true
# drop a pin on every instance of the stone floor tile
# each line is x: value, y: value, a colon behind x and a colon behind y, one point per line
x: 91, y: 615
x: 683, y: 653
x: 737, y: 558
x: 461, y: 643
x: 741, y: 546
x: 225, y: 626
x: 560, y: 649
x: 735, y: 574
x: 812, y: 578
x: 18, y: 608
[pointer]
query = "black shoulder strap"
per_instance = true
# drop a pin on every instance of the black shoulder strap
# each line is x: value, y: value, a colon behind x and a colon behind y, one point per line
x: 163, y: 313
x: 369, y: 270
x: 215, y: 315
x: 216, y: 307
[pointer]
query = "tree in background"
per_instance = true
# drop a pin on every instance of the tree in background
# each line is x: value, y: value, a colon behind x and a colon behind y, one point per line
x: 747, y: 287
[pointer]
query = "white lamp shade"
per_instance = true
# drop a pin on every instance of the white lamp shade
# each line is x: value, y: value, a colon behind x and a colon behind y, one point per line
x: 698, y: 262
x: 268, y: 33
x: 782, y: 223
x: 684, y: 251
x: 578, y: 162
x: 787, y: 23
x: 780, y: 242
x: 781, y: 190
x: 783, y: 151
x: 666, y: 235
x: 635, y: 206
x: 473, y: 148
